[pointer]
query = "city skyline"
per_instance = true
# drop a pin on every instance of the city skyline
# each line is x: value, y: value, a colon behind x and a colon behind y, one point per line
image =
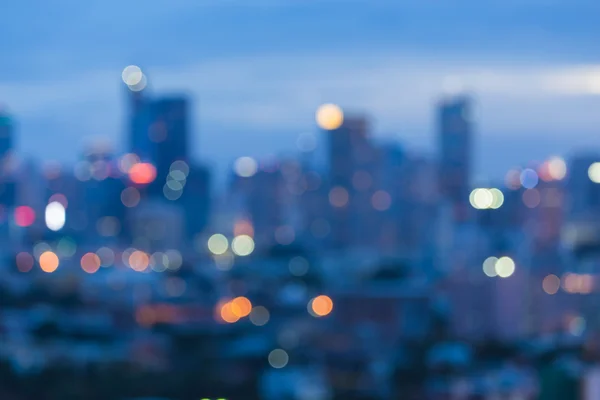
x: 260, y: 91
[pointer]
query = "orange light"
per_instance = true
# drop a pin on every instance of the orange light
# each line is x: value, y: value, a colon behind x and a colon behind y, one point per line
x: 90, y: 263
x: 322, y: 305
x: 227, y: 314
x: 49, y: 262
x: 138, y: 260
x: 241, y: 307
x: 142, y: 173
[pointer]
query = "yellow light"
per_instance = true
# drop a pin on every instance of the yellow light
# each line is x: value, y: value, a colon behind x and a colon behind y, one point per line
x: 481, y: 199
x: 505, y: 267
x: 497, y: 198
x: 218, y: 244
x: 329, y: 116
x: 242, y: 245
x: 594, y: 172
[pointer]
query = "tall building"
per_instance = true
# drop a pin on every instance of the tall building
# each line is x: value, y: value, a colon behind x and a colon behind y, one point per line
x: 158, y: 132
x: 350, y: 153
x: 7, y: 178
x: 455, y: 141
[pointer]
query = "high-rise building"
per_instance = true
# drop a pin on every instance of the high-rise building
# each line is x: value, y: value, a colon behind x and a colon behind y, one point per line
x: 7, y: 179
x: 158, y: 132
x: 350, y: 153
x: 455, y: 141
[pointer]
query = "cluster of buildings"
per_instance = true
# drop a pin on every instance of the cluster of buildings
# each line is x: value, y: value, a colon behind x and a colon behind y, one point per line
x: 331, y: 277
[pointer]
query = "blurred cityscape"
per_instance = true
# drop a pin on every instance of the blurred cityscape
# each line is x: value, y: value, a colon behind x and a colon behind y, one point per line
x: 380, y: 273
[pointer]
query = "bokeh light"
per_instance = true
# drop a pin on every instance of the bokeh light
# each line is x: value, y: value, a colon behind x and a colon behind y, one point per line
x: 594, y: 172
x: 241, y: 306
x: 557, y: 168
x: 24, y: 262
x: 242, y: 245
x: 132, y: 75
x: 130, y: 197
x: 142, y: 173
x: 24, y: 216
x: 320, y: 306
x: 505, y: 267
x: 139, y: 261
x: 259, y: 316
x: 551, y: 284
x: 55, y: 216
x: 381, y: 200
x: 338, y: 196
x: 90, y: 263
x: 218, y: 244
x: 227, y: 314
x: 329, y: 116
x: 48, y: 261
x: 489, y: 266
x: 278, y: 358
x: 245, y: 167
x: 529, y: 178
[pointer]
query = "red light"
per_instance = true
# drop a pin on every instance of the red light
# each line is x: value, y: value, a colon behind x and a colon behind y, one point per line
x: 142, y: 173
x: 24, y: 216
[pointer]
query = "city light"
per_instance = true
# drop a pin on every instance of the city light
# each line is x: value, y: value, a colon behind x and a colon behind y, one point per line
x: 381, y: 200
x: 139, y: 261
x: 529, y: 178
x: 329, y: 116
x: 557, y: 168
x: 320, y: 306
x: 505, y: 267
x: 241, y: 306
x: 489, y: 266
x: 278, y: 358
x: 242, y: 245
x: 551, y: 284
x: 483, y: 199
x: 90, y: 263
x: 48, y: 261
x: 594, y: 172
x: 218, y: 244
x: 24, y: 216
x: 55, y: 216
x: 245, y: 167
x: 259, y: 316
x: 338, y: 196
x: 142, y: 173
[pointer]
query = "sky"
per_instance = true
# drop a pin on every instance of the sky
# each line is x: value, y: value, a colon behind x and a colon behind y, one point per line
x: 257, y: 70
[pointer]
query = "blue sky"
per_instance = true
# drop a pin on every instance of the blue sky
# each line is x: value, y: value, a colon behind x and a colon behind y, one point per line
x: 257, y: 70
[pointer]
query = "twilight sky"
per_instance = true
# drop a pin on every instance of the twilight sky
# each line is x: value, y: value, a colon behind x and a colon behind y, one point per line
x: 256, y: 71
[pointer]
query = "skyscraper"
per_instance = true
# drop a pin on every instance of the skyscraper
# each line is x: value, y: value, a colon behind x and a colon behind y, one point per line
x: 7, y: 182
x: 350, y: 153
x: 455, y: 141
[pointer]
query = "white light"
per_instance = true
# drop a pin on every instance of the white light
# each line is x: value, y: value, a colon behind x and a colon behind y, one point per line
x: 245, y: 167
x: 278, y: 358
x: 481, y: 199
x: 218, y: 244
x: 557, y: 168
x: 594, y: 172
x: 132, y: 75
x: 55, y: 216
x: 505, y: 267
x: 242, y: 245
x: 489, y: 266
x: 497, y: 198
